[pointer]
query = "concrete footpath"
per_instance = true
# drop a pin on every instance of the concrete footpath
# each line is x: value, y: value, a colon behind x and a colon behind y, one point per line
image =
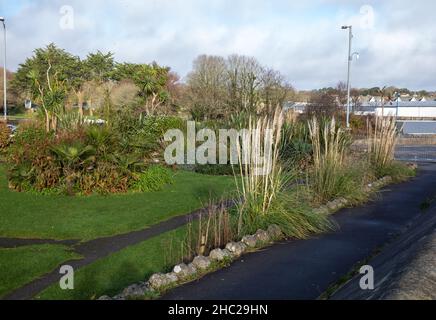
x: 304, y: 269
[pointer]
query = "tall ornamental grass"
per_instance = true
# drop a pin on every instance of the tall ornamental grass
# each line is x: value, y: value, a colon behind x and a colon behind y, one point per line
x: 265, y: 192
x: 329, y: 144
x: 382, y: 141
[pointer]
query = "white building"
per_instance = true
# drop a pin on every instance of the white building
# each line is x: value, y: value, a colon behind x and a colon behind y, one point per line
x: 408, y: 109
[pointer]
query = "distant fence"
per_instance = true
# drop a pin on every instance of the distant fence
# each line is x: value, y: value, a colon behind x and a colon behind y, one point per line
x: 417, y: 142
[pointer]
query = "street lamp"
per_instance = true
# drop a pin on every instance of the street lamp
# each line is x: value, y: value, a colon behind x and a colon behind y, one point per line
x: 5, y: 107
x: 397, y: 95
x: 350, y: 58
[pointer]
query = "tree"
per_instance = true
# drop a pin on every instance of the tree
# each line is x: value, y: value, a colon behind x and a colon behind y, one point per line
x: 151, y: 81
x: 323, y: 104
x: 342, y: 92
x: 207, y: 87
x: 218, y: 87
x: 61, y: 63
x: 97, y: 73
x: 99, y: 66
x: 11, y: 92
x: 49, y: 93
x: 275, y: 91
x: 244, y: 79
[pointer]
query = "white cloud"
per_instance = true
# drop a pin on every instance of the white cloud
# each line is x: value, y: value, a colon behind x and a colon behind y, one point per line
x: 304, y: 40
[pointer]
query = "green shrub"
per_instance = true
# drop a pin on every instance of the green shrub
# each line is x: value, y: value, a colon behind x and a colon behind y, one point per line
x: 30, y: 162
x: 81, y: 161
x: 4, y: 135
x: 153, y: 179
x: 398, y: 171
x: 215, y: 169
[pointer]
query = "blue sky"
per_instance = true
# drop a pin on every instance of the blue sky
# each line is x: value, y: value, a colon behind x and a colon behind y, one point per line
x: 396, y: 38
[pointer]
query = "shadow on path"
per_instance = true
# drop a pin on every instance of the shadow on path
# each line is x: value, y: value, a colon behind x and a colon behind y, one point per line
x: 304, y: 269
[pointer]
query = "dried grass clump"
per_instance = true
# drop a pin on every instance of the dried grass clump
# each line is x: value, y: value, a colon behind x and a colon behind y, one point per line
x: 329, y: 143
x: 382, y: 141
x: 260, y: 175
x: 265, y: 194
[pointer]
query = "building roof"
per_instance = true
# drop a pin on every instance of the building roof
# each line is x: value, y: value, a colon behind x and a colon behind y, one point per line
x: 410, y: 104
x: 419, y: 127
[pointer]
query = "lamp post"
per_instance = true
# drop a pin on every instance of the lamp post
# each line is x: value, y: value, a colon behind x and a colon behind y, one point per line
x: 397, y: 96
x: 350, y: 58
x: 5, y: 107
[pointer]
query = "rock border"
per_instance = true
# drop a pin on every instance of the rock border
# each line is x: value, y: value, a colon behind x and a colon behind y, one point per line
x: 218, y: 258
x: 199, y: 266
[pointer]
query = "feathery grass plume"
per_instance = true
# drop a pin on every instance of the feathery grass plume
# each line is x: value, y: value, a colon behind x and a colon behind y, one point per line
x: 329, y: 143
x: 260, y: 174
x: 264, y: 193
x: 382, y: 141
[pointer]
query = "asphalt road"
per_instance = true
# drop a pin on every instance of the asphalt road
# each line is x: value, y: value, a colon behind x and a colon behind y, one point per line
x: 416, y: 153
x: 304, y: 269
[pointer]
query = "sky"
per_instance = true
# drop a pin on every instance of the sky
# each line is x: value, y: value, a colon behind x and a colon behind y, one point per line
x: 396, y: 39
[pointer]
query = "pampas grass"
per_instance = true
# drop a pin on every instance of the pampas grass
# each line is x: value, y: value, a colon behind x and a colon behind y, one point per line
x: 382, y: 141
x: 329, y: 144
x: 260, y: 175
x: 264, y: 192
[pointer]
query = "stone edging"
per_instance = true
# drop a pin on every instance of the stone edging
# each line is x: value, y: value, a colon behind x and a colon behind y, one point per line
x: 217, y: 258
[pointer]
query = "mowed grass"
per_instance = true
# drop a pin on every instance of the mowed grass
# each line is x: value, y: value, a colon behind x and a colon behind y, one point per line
x: 26, y: 215
x: 110, y: 275
x: 21, y: 265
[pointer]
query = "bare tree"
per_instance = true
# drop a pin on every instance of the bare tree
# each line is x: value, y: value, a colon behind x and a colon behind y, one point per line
x: 244, y: 79
x: 275, y: 90
x: 342, y: 91
x: 218, y: 87
x: 323, y: 104
x: 207, y: 87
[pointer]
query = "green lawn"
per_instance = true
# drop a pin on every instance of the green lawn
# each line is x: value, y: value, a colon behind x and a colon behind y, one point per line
x: 110, y: 275
x: 25, y: 215
x: 19, y: 266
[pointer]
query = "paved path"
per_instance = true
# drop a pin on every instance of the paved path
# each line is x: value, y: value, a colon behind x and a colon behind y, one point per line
x: 96, y: 249
x: 14, y: 243
x: 404, y: 270
x: 416, y: 153
x: 304, y: 269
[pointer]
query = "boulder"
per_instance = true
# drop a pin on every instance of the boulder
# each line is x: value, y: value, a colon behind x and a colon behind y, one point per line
x: 262, y: 236
x: 158, y: 281
x: 201, y: 262
x: 227, y: 253
x: 183, y: 271
x: 412, y: 166
x: 218, y: 255
x: 243, y: 246
x: 105, y: 298
x: 342, y: 202
x: 249, y: 241
x: 135, y: 291
x: 333, y: 205
x: 236, y: 249
x: 274, y: 232
x: 172, y: 277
